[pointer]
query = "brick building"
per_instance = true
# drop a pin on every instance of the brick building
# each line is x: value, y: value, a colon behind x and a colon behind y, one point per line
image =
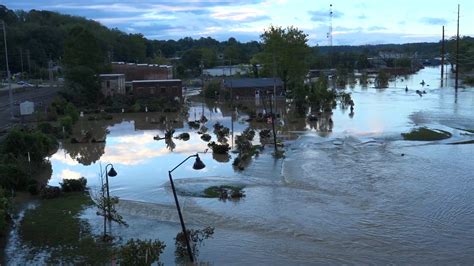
x: 142, y: 71
x: 170, y: 88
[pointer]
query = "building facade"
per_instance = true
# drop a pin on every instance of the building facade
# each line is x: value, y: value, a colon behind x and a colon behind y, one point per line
x: 142, y: 71
x: 252, y: 87
x: 171, y: 88
x: 112, y: 84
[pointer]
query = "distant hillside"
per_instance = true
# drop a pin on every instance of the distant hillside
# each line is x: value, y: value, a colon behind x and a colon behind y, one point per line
x: 36, y: 37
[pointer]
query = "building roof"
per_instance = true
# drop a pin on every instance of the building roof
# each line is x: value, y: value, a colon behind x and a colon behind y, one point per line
x: 110, y: 75
x: 156, y: 80
x: 252, y: 82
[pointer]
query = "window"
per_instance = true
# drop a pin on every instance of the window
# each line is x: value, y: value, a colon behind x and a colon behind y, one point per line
x: 108, y: 84
x: 163, y: 90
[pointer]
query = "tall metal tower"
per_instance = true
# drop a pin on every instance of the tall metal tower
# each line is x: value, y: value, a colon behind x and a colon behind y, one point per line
x: 329, y: 34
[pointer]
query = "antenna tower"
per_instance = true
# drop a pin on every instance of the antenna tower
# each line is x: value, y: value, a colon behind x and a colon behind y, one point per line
x: 329, y: 35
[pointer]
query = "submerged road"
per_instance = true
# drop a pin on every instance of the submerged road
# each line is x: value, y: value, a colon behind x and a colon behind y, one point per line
x: 40, y: 96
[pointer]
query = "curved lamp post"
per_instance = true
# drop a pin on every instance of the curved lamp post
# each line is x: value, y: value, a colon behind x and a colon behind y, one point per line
x: 107, y: 215
x: 198, y: 165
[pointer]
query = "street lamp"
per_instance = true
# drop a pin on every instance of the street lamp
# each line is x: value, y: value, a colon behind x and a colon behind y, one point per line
x: 111, y: 173
x: 107, y: 214
x: 198, y: 165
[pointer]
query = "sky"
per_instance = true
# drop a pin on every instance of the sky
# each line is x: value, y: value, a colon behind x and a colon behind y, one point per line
x: 353, y: 22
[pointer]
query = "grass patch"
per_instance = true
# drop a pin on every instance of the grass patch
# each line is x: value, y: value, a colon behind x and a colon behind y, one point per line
x: 55, y: 227
x: 426, y: 134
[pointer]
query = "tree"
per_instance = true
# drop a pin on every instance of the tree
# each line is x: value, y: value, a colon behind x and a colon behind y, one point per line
x: 84, y: 60
x: 285, y: 53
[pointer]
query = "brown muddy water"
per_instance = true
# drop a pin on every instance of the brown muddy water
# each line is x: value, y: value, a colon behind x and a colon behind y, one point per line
x: 343, y: 194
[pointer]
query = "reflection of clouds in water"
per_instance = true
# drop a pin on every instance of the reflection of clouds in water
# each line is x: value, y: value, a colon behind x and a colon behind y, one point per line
x: 60, y: 157
x: 133, y: 150
x: 68, y: 174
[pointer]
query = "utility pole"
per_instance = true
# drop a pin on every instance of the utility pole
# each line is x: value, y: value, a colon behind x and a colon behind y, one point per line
x: 21, y: 61
x: 28, y: 61
x: 10, y: 92
x: 457, y: 55
x: 50, y: 70
x: 442, y: 59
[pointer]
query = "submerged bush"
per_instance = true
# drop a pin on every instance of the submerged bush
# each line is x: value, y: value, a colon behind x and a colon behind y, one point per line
x: 426, y: 134
x: 140, y: 252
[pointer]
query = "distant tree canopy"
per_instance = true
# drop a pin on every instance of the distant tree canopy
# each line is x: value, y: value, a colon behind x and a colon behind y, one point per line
x: 466, y: 53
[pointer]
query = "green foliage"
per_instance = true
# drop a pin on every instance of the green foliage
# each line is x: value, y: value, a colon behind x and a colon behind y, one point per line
x: 4, y: 211
x: 285, y: 53
x: 219, y: 148
x: 74, y: 185
x: 196, y: 237
x: 140, y: 252
x: 402, y: 62
x: 426, y: 134
x: 84, y: 60
x: 183, y: 136
x: 381, y: 81
x: 18, y: 143
x: 66, y: 122
x: 211, y: 89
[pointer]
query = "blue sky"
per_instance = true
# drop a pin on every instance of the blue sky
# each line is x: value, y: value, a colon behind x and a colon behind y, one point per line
x: 354, y: 22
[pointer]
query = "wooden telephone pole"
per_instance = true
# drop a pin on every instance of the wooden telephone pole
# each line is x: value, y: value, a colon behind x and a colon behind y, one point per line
x: 442, y: 59
x: 457, y: 54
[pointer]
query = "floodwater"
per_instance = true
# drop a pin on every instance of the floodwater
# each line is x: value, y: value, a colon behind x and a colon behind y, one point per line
x: 355, y: 192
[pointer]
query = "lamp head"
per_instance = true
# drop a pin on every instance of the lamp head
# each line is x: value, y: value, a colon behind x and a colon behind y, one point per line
x: 112, y: 172
x: 198, y: 164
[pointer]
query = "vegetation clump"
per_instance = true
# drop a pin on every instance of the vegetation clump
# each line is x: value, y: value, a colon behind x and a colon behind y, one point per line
x: 74, y: 185
x: 426, y: 134
x: 219, y: 148
x: 206, y: 137
x: 196, y: 237
x: 225, y: 192
x: 183, y: 136
x: 140, y: 252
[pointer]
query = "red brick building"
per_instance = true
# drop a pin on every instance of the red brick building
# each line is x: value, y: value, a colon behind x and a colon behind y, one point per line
x: 143, y: 71
x: 170, y: 88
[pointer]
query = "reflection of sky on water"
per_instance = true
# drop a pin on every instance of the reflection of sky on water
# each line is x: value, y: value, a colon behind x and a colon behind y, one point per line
x: 347, y: 194
x: 142, y: 163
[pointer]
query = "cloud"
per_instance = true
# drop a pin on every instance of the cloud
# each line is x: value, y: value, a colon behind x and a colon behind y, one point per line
x: 433, y: 21
x: 323, y: 15
x: 376, y: 28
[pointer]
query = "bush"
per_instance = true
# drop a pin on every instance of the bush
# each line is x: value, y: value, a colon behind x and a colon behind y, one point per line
x: 50, y: 192
x: 206, y: 137
x: 183, y: 136
x: 211, y: 90
x: 66, y: 122
x: 140, y: 252
x: 219, y: 148
x: 70, y: 185
x: 33, y: 187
